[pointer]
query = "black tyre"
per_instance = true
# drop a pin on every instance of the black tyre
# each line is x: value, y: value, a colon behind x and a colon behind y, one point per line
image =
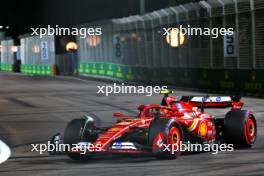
x: 76, y: 132
x: 162, y: 132
x: 240, y: 128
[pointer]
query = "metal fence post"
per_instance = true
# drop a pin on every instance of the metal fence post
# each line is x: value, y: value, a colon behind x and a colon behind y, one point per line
x: 237, y: 29
x: 188, y: 43
x: 209, y: 10
x: 224, y: 24
x: 153, y: 44
x: 253, y: 24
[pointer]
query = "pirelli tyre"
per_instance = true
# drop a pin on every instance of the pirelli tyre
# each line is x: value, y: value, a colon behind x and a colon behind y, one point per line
x: 164, y: 138
x: 77, y: 131
x: 240, y: 128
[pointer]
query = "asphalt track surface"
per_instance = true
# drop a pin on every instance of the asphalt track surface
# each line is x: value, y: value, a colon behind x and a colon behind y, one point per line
x: 33, y: 109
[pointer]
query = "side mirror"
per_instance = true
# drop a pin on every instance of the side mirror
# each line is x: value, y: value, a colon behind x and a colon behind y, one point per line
x: 118, y: 114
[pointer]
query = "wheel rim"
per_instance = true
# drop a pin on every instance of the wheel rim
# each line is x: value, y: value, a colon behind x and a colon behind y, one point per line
x: 158, y: 142
x: 250, y: 130
x: 174, y: 138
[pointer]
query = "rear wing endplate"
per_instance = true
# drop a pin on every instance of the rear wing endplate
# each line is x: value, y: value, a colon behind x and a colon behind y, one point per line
x: 212, y: 101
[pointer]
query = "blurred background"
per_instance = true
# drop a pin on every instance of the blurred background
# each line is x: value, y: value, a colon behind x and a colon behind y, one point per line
x: 22, y: 15
x: 132, y: 47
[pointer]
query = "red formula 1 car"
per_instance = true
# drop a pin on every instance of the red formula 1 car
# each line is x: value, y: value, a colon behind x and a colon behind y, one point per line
x: 172, y: 122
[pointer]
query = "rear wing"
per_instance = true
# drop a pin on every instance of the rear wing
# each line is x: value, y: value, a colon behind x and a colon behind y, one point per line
x: 214, y: 101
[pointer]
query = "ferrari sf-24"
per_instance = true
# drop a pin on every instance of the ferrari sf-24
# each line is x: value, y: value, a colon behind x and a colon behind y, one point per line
x: 157, y: 125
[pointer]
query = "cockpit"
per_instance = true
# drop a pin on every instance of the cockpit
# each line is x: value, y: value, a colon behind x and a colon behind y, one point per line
x: 153, y: 111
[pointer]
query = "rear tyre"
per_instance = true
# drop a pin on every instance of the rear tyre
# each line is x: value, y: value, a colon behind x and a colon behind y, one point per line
x: 240, y: 128
x: 74, y: 133
x: 165, y: 132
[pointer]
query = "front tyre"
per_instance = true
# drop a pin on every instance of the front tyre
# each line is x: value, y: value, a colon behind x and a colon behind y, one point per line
x: 74, y: 134
x: 165, y: 136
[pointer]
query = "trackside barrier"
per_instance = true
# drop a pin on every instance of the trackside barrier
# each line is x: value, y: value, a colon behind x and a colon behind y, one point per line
x: 38, y: 69
x: 6, y: 67
x: 134, y: 49
x: 7, y: 55
x: 38, y: 55
x: 214, y: 79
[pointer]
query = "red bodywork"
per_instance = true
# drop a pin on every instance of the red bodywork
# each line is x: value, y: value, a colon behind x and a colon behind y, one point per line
x: 197, y: 123
x: 187, y: 114
x: 157, y: 126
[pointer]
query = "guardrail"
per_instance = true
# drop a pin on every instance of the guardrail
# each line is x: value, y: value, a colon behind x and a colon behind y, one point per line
x: 214, y: 79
